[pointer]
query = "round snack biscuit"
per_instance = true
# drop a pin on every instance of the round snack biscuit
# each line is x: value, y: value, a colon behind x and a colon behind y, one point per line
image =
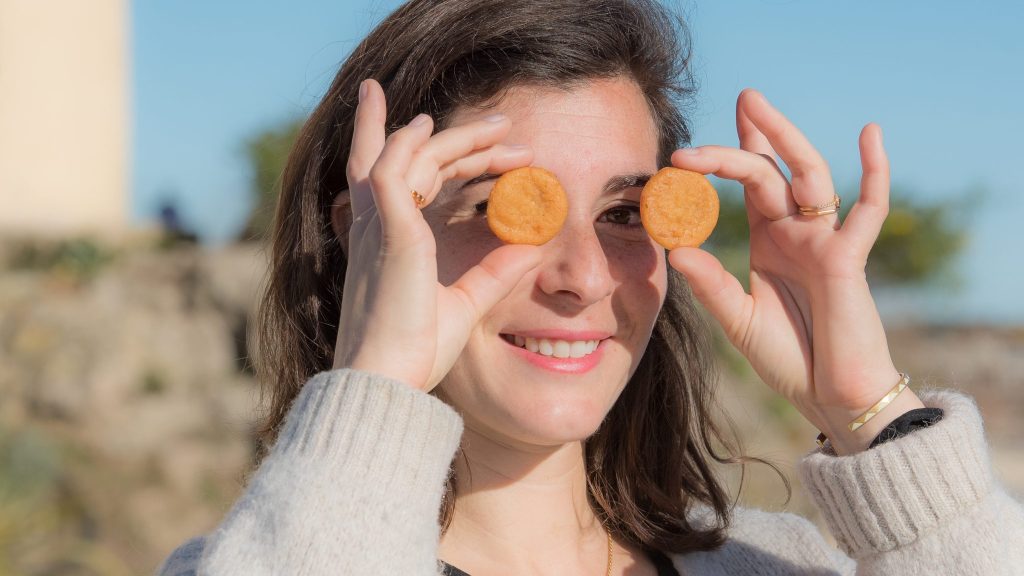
x: 679, y: 208
x: 527, y: 206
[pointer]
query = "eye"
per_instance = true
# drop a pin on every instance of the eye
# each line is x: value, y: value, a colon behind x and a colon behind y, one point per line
x: 480, y: 207
x: 622, y: 215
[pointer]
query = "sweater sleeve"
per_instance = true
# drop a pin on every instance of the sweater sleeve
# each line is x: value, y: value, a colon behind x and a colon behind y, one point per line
x: 926, y: 503
x: 352, y: 486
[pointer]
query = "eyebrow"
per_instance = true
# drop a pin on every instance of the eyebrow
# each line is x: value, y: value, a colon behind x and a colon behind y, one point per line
x: 621, y: 182
x: 613, y: 185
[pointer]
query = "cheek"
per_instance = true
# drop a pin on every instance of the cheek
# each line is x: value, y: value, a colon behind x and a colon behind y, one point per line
x: 639, y: 265
x: 639, y: 271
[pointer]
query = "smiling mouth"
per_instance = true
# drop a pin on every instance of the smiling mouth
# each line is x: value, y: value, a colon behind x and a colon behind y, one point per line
x: 554, y: 348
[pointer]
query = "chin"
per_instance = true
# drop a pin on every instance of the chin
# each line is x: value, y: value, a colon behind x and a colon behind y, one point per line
x: 556, y: 421
x: 534, y: 411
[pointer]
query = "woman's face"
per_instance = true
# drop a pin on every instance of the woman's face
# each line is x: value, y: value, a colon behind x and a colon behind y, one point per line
x: 601, y: 279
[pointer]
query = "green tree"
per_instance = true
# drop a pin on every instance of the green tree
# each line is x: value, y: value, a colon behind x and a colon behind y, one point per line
x: 919, y: 242
x: 267, y: 153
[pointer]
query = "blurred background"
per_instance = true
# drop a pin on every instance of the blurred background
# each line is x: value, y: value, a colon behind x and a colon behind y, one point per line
x: 141, y: 143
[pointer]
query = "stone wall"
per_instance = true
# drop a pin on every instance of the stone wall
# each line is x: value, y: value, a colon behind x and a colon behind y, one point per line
x: 127, y: 407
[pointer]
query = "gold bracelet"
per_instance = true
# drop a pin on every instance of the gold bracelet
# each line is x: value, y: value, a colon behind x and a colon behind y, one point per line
x: 889, y: 397
x: 878, y: 407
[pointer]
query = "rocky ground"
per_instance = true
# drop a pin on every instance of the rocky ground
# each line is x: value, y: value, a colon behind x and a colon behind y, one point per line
x: 985, y: 362
x: 126, y: 405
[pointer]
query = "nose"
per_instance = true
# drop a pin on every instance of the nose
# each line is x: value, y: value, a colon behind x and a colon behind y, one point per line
x: 575, y: 267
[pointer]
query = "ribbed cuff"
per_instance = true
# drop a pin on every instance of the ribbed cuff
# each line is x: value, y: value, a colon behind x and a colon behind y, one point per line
x: 888, y: 496
x: 374, y: 429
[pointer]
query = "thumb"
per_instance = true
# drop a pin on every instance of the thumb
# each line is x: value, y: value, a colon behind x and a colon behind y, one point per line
x: 484, y: 285
x: 469, y: 298
x: 715, y: 288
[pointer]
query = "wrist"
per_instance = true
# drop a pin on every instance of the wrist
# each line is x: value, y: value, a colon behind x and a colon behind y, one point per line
x: 845, y: 441
x: 381, y: 363
x: 907, y: 423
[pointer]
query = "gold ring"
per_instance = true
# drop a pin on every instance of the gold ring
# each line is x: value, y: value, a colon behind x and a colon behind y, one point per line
x: 821, y: 209
x: 418, y: 199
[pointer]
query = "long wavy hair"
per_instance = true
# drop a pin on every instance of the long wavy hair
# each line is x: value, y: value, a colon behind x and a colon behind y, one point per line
x: 650, y: 465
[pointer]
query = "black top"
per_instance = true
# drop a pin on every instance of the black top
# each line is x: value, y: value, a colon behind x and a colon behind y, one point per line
x: 661, y: 562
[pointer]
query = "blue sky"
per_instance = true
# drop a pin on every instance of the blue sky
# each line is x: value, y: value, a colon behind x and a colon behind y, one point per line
x: 943, y: 79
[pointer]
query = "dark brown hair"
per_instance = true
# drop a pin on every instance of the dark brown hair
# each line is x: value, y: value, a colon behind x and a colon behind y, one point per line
x: 650, y: 463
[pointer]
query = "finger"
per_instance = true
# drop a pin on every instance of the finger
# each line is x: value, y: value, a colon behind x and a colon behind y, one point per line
x: 812, y: 180
x: 469, y: 298
x: 473, y: 295
x: 368, y: 137
x: 392, y: 193
x: 450, y: 145
x: 765, y: 185
x: 487, y: 283
x: 865, y: 219
x: 716, y: 289
x: 751, y: 140
x: 494, y: 160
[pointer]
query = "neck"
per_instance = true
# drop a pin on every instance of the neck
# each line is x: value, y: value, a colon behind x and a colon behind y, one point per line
x: 524, y: 509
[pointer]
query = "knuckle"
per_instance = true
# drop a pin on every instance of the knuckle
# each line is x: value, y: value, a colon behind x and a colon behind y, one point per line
x: 768, y: 159
x: 815, y: 169
x: 822, y: 165
x: 402, y: 135
x: 819, y: 165
x: 377, y: 175
x: 398, y: 135
x: 421, y: 157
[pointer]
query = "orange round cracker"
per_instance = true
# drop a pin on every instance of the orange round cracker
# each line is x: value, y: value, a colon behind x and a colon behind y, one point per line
x: 679, y: 208
x: 527, y: 206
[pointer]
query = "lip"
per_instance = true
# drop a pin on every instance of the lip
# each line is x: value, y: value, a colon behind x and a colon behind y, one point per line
x: 561, y: 365
x: 567, y: 335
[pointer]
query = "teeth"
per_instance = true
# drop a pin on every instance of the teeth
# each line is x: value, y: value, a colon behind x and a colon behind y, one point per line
x: 579, y: 349
x: 562, y: 348
x: 557, y: 348
x: 546, y: 348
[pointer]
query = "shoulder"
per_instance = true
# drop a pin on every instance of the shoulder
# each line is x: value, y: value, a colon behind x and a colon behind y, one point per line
x: 788, y: 539
x: 184, y: 561
x: 768, y: 543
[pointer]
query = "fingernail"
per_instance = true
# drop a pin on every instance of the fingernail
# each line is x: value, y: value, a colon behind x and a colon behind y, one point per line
x: 419, y: 120
x: 690, y: 151
x: 495, y: 118
x: 518, y: 147
x: 362, y: 90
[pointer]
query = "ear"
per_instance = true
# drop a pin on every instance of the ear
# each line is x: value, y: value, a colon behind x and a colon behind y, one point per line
x: 341, y: 218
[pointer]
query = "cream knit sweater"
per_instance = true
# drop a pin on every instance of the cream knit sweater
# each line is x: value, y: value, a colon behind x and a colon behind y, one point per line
x: 354, y: 484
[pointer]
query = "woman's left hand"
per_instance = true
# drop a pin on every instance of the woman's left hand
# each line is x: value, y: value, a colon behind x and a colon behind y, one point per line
x: 809, y: 326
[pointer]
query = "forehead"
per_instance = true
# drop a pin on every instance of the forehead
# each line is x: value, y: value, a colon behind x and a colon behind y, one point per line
x: 597, y: 119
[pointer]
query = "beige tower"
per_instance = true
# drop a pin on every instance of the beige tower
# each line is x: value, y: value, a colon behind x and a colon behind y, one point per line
x: 64, y: 117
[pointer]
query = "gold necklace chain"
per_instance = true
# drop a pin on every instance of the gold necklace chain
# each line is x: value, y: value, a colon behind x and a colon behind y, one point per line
x: 609, y: 571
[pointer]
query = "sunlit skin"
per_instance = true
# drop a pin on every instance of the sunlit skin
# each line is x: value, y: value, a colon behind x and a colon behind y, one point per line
x: 601, y: 273
x: 428, y: 294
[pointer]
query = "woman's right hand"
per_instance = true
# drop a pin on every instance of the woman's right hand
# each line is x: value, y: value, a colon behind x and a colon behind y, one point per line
x: 392, y: 300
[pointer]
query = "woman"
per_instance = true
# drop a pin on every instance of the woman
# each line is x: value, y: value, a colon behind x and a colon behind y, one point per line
x: 573, y: 378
